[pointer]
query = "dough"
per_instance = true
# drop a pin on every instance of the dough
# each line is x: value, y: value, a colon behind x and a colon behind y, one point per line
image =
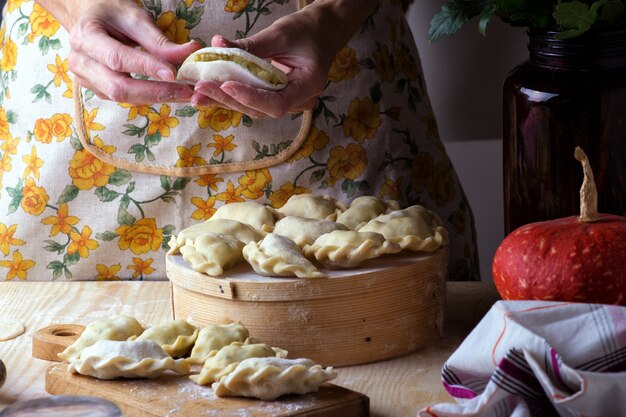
x: 231, y: 64
x: 268, y: 378
x: 10, y: 329
x: 110, y: 359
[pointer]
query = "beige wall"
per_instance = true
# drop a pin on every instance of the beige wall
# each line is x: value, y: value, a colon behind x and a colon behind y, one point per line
x: 464, y: 75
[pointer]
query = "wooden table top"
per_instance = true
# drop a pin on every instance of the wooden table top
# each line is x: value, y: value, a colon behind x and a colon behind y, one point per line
x: 396, y: 387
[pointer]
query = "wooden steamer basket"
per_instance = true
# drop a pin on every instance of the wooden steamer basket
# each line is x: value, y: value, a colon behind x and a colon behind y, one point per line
x: 389, y: 307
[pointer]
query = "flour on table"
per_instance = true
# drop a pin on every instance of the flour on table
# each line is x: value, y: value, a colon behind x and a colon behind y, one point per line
x: 10, y: 329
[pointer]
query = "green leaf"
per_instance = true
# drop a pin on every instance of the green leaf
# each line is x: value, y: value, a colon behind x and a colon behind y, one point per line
x: 71, y: 259
x: 76, y: 143
x: 317, y: 175
x: 124, y: 218
x: 16, y: 197
x: 612, y: 11
x: 52, y: 246
x: 153, y: 140
x: 139, y: 150
x: 180, y: 183
x: 105, y: 195
x: 193, y: 17
x: 57, y: 268
x: 55, y: 44
x: 484, y: 19
x: 106, y: 236
x: 454, y: 14
x: 168, y: 229
x: 575, y: 15
x: 125, y: 202
x: 166, y: 182
x: 351, y: 186
x: 11, y: 117
x: 44, y: 45
x: 69, y: 193
x: 88, y: 95
x: 132, y: 130
x: 23, y: 28
x: 186, y: 111
x: 130, y: 188
x: 120, y: 177
x: 150, y: 155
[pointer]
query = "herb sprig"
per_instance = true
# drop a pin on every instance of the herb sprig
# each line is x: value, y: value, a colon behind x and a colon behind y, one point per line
x: 568, y: 18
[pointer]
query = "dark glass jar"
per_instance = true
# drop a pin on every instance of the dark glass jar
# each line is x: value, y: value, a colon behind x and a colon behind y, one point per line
x: 569, y: 93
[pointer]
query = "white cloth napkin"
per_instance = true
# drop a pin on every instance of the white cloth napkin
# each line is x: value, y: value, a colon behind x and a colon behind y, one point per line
x: 535, y: 358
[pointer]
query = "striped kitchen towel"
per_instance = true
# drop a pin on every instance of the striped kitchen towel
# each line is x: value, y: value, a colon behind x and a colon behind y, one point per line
x: 535, y: 358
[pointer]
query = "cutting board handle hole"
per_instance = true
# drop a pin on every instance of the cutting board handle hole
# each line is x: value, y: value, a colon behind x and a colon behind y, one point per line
x: 64, y: 333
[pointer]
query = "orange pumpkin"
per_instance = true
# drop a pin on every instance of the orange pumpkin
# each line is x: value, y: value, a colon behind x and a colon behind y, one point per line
x: 577, y: 259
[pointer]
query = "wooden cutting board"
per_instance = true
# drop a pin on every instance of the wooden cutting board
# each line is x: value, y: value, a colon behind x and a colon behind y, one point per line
x: 178, y: 396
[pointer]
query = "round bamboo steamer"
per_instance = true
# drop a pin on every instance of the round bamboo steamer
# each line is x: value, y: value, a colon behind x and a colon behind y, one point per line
x: 388, y: 307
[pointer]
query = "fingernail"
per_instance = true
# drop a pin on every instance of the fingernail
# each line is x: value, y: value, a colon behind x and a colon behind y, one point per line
x: 230, y: 91
x: 165, y: 74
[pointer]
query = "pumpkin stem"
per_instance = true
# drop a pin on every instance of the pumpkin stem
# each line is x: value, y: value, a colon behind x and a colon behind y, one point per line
x: 588, y: 191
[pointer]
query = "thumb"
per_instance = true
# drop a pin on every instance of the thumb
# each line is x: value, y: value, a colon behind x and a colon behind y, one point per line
x: 247, y: 44
x: 147, y: 34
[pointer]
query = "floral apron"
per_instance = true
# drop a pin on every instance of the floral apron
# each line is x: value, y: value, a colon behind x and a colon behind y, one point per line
x: 92, y: 189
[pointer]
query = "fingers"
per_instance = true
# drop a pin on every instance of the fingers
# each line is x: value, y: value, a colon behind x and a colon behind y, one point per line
x: 300, y: 94
x: 212, y: 90
x: 103, y: 55
x: 120, y: 87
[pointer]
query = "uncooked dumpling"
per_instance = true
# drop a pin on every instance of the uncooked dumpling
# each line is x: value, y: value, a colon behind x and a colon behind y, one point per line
x: 304, y: 231
x: 270, y: 378
x: 348, y: 248
x: 312, y: 207
x: 108, y: 359
x: 226, y: 359
x: 110, y: 328
x: 231, y: 64
x: 277, y: 256
x: 175, y: 337
x: 212, y: 253
x: 259, y: 216
x: 414, y: 228
x: 241, y: 231
x: 363, y: 209
x: 213, y: 337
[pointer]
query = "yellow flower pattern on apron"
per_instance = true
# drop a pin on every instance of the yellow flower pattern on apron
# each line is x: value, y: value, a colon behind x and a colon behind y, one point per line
x: 69, y: 210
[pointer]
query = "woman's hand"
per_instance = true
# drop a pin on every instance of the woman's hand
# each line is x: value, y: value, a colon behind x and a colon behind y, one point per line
x: 104, y: 35
x: 303, y: 44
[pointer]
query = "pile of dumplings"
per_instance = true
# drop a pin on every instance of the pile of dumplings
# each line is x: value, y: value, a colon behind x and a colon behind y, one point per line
x: 232, y: 363
x: 308, y: 231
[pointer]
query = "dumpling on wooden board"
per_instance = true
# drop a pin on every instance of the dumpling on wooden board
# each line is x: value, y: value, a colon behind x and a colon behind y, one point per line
x: 241, y: 231
x: 259, y: 216
x: 110, y: 328
x: 175, y: 337
x: 414, y: 228
x: 363, y: 209
x: 304, y: 231
x: 213, y: 337
x: 278, y: 256
x: 269, y: 378
x: 108, y: 359
x: 212, y: 253
x: 223, y: 361
x: 312, y: 207
x: 349, y: 248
